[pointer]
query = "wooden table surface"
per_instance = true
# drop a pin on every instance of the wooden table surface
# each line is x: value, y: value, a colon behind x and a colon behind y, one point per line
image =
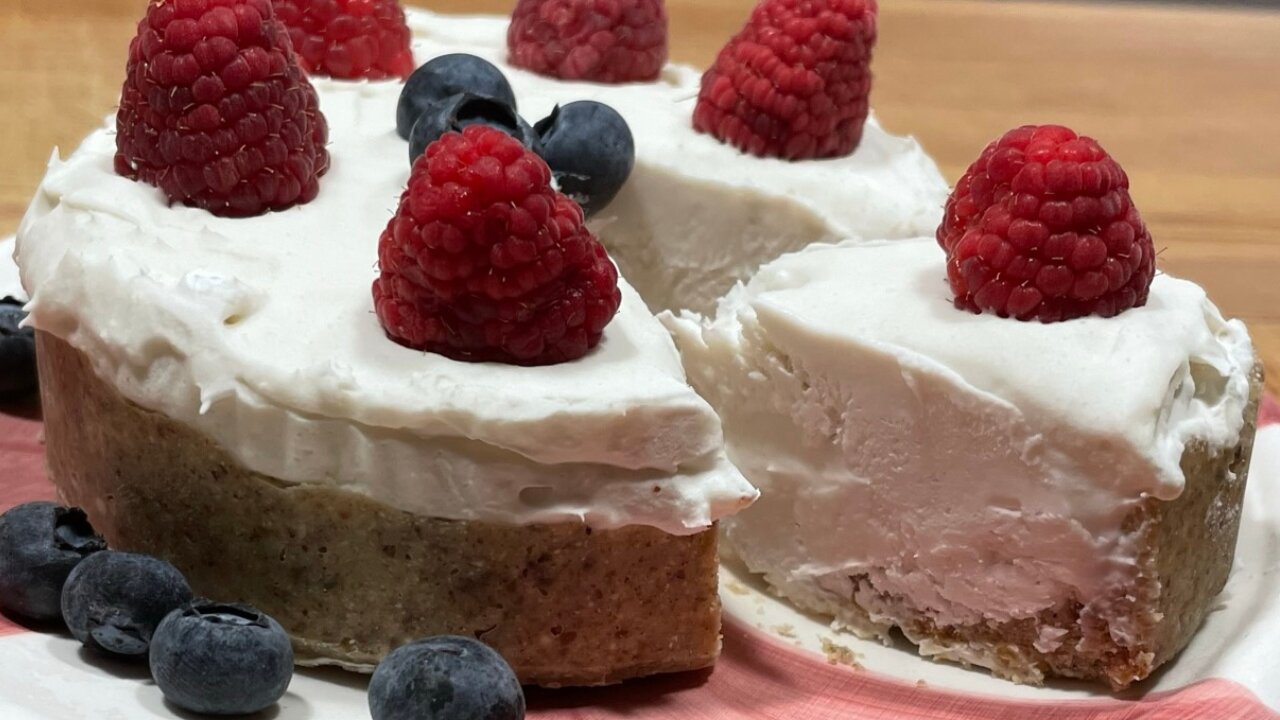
x: 1187, y: 99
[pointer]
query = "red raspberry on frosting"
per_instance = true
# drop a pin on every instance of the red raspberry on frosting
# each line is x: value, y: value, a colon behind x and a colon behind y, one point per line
x: 794, y: 83
x: 216, y: 112
x: 608, y: 41
x: 485, y: 261
x: 349, y: 39
x: 1041, y: 227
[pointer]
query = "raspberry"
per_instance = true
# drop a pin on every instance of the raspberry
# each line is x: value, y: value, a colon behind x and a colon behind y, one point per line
x: 216, y: 112
x: 485, y: 261
x: 608, y: 41
x: 794, y: 82
x: 349, y: 39
x: 1042, y: 227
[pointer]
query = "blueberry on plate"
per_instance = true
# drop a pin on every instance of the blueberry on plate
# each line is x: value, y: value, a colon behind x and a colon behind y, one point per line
x: 445, y: 678
x: 591, y: 152
x: 17, y: 351
x: 221, y: 659
x: 446, y: 76
x: 458, y: 112
x: 40, y: 544
x: 113, y: 601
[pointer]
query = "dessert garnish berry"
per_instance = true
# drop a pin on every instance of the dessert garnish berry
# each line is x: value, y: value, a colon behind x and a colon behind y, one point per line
x: 591, y: 152
x: 17, y: 351
x: 216, y: 112
x: 460, y: 111
x: 40, y: 544
x: 1042, y: 227
x: 485, y: 261
x: 349, y: 39
x: 221, y: 659
x: 607, y: 41
x: 113, y: 601
x: 445, y: 678
x: 794, y: 83
x: 444, y: 77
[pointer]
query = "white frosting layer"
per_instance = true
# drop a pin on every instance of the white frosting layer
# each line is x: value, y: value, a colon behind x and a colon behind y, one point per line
x: 697, y: 215
x: 259, y: 332
x: 979, y: 467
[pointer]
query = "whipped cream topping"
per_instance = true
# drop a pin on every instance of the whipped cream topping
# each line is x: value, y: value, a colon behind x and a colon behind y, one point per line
x: 697, y: 215
x: 980, y: 467
x: 260, y: 333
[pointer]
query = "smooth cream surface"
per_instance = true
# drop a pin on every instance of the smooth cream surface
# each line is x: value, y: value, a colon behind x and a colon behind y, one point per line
x: 979, y: 467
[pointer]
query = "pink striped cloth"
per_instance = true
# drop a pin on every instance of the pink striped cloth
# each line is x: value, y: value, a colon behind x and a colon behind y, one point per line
x: 757, y: 676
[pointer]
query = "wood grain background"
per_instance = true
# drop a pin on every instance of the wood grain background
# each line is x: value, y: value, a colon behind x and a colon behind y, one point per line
x: 1187, y: 98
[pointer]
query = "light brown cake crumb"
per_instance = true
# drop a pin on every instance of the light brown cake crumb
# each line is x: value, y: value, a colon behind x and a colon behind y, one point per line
x: 737, y: 588
x: 839, y: 654
x: 922, y: 684
x: 786, y: 630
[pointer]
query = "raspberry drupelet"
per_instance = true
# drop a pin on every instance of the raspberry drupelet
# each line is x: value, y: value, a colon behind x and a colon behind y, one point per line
x: 607, y: 41
x: 216, y: 112
x: 485, y: 261
x: 795, y: 82
x: 349, y: 39
x: 1042, y: 227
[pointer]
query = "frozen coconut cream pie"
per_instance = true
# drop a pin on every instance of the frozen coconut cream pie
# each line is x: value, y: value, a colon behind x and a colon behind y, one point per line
x: 375, y: 420
x: 378, y: 420
x: 1042, y: 477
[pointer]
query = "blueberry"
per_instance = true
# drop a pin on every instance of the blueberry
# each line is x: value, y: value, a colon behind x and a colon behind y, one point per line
x: 458, y: 112
x: 590, y: 150
x: 17, y: 351
x: 445, y: 678
x: 40, y: 544
x: 113, y: 601
x: 444, y: 77
x: 221, y: 659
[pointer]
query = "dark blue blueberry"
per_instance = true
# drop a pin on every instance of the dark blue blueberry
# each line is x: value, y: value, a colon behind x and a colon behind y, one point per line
x: 444, y: 77
x: 458, y: 112
x: 445, y: 678
x: 113, y: 601
x: 221, y: 659
x: 17, y: 351
x: 40, y: 544
x: 590, y: 150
